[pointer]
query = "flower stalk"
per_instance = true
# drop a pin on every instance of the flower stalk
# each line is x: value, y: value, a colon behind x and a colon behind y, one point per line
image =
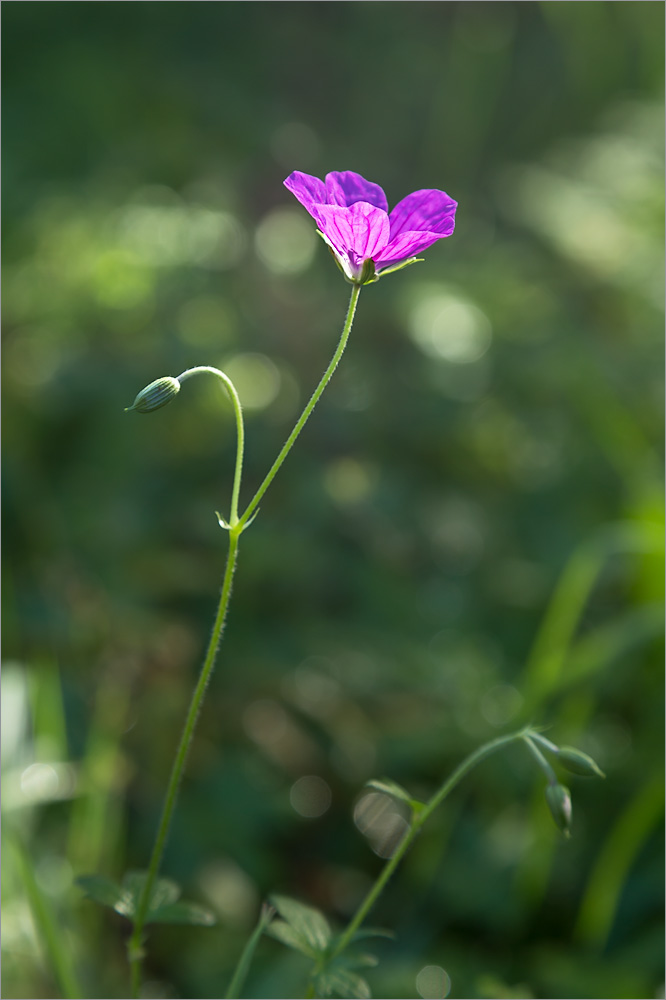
x: 418, y: 820
x: 153, y: 397
x: 135, y: 944
x: 557, y: 797
x: 314, y: 399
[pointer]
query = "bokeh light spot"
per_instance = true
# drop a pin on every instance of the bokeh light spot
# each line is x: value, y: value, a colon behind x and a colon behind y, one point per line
x: 448, y: 328
x: 40, y: 782
x: 310, y: 796
x: 433, y: 982
x: 381, y: 820
x: 231, y: 891
x: 120, y: 280
x: 285, y: 242
x: 348, y: 481
x: 256, y: 377
x: 169, y: 235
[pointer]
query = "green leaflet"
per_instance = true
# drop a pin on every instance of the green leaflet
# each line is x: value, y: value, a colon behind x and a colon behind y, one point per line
x: 163, y: 907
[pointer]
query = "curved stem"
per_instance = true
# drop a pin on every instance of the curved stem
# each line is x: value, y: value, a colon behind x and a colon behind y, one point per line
x: 236, y: 526
x: 135, y: 950
x: 541, y: 760
x: 233, y: 395
x: 418, y: 821
x: 314, y: 399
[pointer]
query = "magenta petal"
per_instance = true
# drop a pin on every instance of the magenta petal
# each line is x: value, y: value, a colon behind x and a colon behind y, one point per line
x: 407, y: 245
x: 429, y: 211
x: 308, y: 189
x: 361, y: 230
x: 344, y: 187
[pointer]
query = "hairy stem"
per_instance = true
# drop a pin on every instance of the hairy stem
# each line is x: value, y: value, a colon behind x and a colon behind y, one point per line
x: 236, y: 526
x: 135, y: 949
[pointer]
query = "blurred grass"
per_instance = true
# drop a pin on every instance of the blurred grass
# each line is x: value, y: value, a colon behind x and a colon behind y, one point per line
x: 468, y: 532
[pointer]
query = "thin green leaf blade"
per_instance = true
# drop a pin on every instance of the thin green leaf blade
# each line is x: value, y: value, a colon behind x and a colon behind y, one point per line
x: 369, y: 932
x: 390, y: 787
x: 182, y: 913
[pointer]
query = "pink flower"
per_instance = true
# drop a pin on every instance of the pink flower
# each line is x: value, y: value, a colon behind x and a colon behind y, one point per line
x: 352, y: 216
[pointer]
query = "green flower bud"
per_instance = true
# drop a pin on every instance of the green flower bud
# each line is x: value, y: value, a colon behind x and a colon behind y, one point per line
x: 155, y: 395
x: 579, y: 763
x: 559, y: 802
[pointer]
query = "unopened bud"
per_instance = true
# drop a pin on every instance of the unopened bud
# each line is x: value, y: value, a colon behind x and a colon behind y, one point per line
x: 559, y: 802
x: 579, y: 763
x: 155, y: 395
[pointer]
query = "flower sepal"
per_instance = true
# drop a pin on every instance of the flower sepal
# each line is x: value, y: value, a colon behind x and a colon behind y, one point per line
x: 368, y: 273
x: 399, y: 267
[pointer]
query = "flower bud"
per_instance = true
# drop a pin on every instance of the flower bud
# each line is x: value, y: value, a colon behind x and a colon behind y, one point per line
x: 579, y: 763
x: 559, y: 802
x: 155, y: 395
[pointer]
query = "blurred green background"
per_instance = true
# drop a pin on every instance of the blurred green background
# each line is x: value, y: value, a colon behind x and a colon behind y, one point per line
x: 465, y: 537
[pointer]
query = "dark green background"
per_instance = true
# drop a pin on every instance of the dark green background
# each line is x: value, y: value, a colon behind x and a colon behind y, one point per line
x: 464, y: 537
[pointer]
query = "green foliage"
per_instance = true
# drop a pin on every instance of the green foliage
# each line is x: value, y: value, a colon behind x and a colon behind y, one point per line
x: 301, y: 927
x: 342, y: 981
x: 306, y: 930
x: 163, y: 907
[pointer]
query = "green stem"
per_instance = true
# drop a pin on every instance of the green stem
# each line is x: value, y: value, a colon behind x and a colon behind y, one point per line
x: 233, y: 395
x: 236, y: 526
x: 541, y: 760
x: 244, y: 962
x: 135, y: 950
x: 418, y: 821
x: 254, y: 503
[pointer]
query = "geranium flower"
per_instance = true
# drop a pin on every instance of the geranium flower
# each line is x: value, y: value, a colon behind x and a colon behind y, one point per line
x: 353, y: 218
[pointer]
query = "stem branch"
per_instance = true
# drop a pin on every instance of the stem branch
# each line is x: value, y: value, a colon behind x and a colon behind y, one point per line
x: 418, y: 821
